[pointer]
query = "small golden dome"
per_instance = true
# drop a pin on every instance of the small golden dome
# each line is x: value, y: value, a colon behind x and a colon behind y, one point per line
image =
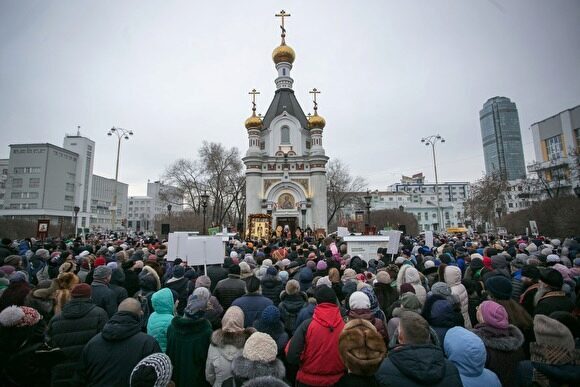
x: 316, y: 121
x: 283, y: 53
x: 253, y: 122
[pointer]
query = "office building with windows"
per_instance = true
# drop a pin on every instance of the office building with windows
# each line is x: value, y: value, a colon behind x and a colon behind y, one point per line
x: 102, y: 192
x: 502, y: 140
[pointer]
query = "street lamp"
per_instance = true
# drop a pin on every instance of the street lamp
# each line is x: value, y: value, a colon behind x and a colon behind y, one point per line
x: 204, y: 199
x: 121, y: 134
x: 76, y: 210
x: 432, y: 140
x: 367, y: 198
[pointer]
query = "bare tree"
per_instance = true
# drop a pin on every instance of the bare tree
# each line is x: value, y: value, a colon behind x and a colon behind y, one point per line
x: 342, y: 188
x: 487, y: 194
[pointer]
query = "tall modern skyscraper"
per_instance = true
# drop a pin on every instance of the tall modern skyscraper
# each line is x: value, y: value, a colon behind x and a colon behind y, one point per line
x: 502, y: 140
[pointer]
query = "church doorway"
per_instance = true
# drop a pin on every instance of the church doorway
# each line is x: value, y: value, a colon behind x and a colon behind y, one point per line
x: 291, y: 222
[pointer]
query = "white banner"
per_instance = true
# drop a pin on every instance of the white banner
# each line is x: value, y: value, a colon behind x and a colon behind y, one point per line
x: 394, y: 238
x: 342, y: 232
x: 429, y: 239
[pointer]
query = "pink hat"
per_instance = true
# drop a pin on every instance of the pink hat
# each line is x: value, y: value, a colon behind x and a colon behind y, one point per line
x: 321, y: 265
x: 494, y: 314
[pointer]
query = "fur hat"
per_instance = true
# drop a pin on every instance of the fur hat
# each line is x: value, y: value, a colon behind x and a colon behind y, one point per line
x: 233, y: 320
x: 265, y: 381
x: 499, y: 287
x: 494, y: 314
x: 429, y: 264
x: 349, y: 274
x: 260, y: 347
x: 19, y: 317
x: 267, y: 262
x: 552, y: 278
x: 361, y: 347
x: 81, y: 291
x: 359, y: 300
x: 552, y: 332
x: 245, y: 270
x: 383, y: 277
x: 154, y: 370
x: 203, y: 281
x: 292, y: 287
x: 43, y: 253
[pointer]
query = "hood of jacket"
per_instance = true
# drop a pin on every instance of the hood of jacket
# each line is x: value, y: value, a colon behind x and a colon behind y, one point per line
x: 328, y: 315
x: 269, y: 281
x: 77, y: 308
x: 248, y: 369
x: 452, y: 275
x: 122, y: 326
x: 293, y: 302
x: 467, y: 351
x: 162, y: 301
x: 443, y: 315
x: 222, y: 339
x: 188, y: 326
x: 510, y: 339
x: 424, y: 364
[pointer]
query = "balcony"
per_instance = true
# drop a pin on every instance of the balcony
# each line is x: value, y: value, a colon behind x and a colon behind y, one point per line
x: 544, y: 165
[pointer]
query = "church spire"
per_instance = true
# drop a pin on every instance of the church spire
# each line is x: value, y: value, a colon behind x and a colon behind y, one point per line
x: 283, y: 57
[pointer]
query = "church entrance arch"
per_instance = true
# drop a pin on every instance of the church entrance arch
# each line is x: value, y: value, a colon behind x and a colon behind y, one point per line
x: 286, y: 200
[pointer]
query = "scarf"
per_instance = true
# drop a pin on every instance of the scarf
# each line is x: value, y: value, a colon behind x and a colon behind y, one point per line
x: 551, y: 355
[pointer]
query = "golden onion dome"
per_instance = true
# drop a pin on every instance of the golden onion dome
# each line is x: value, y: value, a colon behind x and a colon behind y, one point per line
x: 316, y: 121
x: 253, y: 122
x: 283, y: 53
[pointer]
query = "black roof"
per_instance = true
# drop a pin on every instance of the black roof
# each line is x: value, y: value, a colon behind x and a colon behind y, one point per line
x: 284, y: 100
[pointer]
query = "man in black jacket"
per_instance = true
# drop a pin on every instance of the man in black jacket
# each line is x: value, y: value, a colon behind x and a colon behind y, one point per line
x: 6, y: 249
x: 227, y: 290
x: 217, y: 273
x: 416, y: 362
x: 79, y: 321
x: 102, y: 295
x: 109, y: 358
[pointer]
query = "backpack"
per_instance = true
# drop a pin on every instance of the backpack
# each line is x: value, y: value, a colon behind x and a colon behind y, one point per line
x: 146, y: 307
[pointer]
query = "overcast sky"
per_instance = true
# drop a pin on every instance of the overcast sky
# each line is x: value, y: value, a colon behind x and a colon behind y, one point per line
x: 178, y: 73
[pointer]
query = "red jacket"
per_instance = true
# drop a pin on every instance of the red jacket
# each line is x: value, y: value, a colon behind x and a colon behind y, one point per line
x: 314, y: 347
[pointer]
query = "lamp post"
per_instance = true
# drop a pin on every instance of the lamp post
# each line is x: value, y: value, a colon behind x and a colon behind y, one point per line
x: 498, y: 210
x: 204, y: 199
x: 76, y: 210
x: 367, y: 198
x: 169, y: 220
x: 432, y: 140
x: 121, y: 134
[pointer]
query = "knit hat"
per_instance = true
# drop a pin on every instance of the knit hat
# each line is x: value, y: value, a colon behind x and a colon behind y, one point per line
x: 100, y: 262
x: 272, y: 271
x: 311, y: 265
x: 270, y: 315
x: 81, y: 291
x: 178, y: 271
x: 321, y: 265
x: 410, y: 301
x: 552, y: 332
x: 260, y: 347
x: 429, y: 264
x: 19, y: 317
x: 13, y: 260
x: 407, y: 288
x: 552, y: 278
x: 552, y: 258
x: 531, y: 272
x: 324, y: 281
x: 349, y: 274
x: 267, y: 262
x: 499, y: 287
x: 234, y: 270
x: 233, y: 320
x: 196, y: 303
x: 361, y: 347
x: 102, y: 272
x: 359, y: 300
x: 203, y: 281
x: 324, y: 294
x: 43, y: 253
x: 494, y: 314
x: 292, y: 287
x: 383, y: 277
x: 153, y: 371
x: 283, y: 275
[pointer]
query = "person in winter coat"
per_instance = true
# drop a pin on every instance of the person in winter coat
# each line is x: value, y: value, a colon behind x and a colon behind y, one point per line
x: 271, y: 285
x: 292, y: 300
x: 314, y: 346
x: 416, y: 362
x: 362, y: 349
x: 132, y: 269
x: 21, y: 334
x: 79, y: 321
x: 554, y: 358
x: 226, y: 344
x: 163, y: 304
x: 154, y: 370
x: 217, y: 273
x: 109, y: 358
x: 452, y: 277
x: 227, y: 290
x: 503, y: 342
x: 270, y: 323
x: 253, y: 302
x: 408, y: 274
x: 188, y: 339
x: 530, y: 276
x: 441, y: 315
x: 64, y: 284
x: 178, y: 283
x: 258, y: 359
x: 466, y: 350
x: 214, y: 310
x: 360, y: 308
x: 102, y: 295
x: 116, y: 284
x: 499, y: 267
x: 6, y: 249
x: 385, y: 291
x: 305, y: 277
x: 550, y: 298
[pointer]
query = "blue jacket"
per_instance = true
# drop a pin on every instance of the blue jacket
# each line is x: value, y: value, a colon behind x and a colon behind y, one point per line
x: 253, y: 305
x: 466, y: 350
x: 160, y: 320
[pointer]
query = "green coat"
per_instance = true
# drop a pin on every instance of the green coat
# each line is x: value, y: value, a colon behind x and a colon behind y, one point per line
x: 187, y: 345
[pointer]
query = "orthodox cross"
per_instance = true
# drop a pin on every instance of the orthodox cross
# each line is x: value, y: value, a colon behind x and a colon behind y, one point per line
x: 253, y: 93
x: 282, y: 15
x: 314, y: 92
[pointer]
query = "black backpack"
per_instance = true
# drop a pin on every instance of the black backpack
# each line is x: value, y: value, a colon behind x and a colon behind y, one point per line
x: 146, y: 307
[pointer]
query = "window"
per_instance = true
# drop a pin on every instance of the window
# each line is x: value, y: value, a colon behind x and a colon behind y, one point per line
x: 21, y: 170
x: 34, y: 182
x: 68, y: 198
x: 70, y: 187
x: 433, y: 215
x: 285, y: 135
x: 553, y: 147
x: 16, y: 183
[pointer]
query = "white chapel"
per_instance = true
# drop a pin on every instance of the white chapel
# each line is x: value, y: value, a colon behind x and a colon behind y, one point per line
x: 285, y: 162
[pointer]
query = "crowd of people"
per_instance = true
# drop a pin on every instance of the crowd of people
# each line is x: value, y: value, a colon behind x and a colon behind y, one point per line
x: 470, y: 310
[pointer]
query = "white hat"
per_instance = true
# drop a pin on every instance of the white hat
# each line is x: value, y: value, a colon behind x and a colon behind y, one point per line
x: 359, y: 300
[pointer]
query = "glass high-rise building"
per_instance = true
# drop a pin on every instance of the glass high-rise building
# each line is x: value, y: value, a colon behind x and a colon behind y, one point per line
x: 502, y: 140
